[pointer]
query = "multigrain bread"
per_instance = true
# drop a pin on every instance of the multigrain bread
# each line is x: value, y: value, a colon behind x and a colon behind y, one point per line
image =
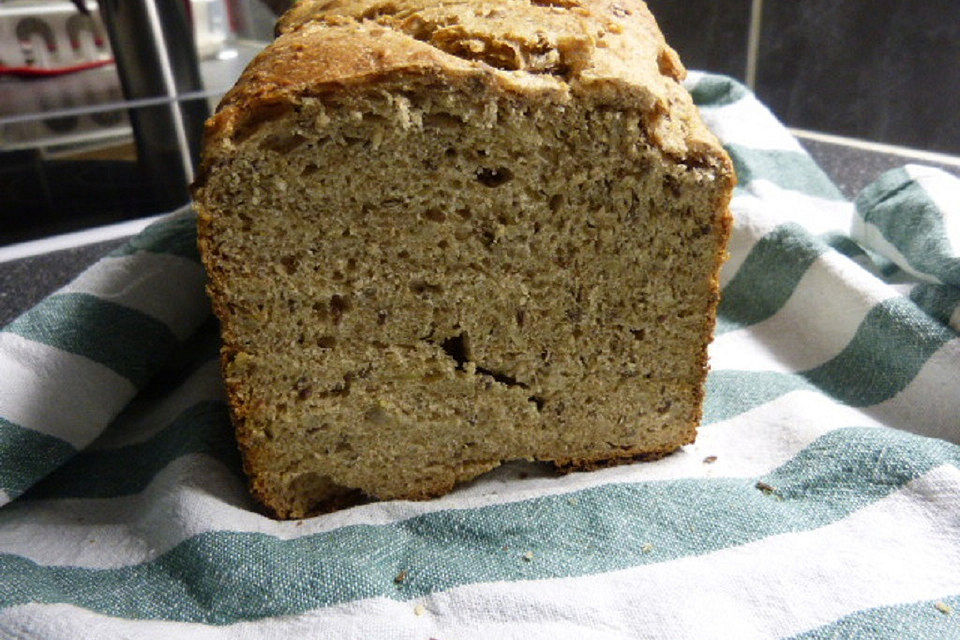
x: 441, y: 236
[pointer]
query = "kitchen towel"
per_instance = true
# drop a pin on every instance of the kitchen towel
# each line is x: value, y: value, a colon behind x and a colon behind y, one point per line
x: 821, y: 499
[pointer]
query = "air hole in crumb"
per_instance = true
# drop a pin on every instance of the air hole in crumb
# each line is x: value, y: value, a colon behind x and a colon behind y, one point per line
x: 290, y: 264
x: 521, y: 317
x: 281, y: 143
x: 562, y: 4
x: 639, y: 334
x: 672, y: 185
x: 421, y: 287
x: 435, y: 214
x: 458, y: 348
x: 339, y: 305
x: 382, y: 318
x: 386, y: 9
x: 327, y: 342
x: 494, y: 177
x: 404, y: 254
x: 556, y: 201
x: 304, y: 392
x: 664, y: 407
x: 317, y: 429
x: 309, y: 170
x: 503, y: 378
x: 341, y: 390
x: 343, y: 446
x: 443, y: 244
x: 537, y: 400
x: 442, y: 121
x: 256, y: 117
x: 465, y: 213
x: 450, y: 152
x: 351, y: 264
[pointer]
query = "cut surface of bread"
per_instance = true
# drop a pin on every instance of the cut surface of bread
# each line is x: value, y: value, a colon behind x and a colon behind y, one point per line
x: 441, y: 237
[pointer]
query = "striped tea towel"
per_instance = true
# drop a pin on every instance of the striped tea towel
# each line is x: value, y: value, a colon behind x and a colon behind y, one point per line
x: 821, y: 500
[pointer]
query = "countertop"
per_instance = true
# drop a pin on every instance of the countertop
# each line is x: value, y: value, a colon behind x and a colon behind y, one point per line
x: 851, y: 164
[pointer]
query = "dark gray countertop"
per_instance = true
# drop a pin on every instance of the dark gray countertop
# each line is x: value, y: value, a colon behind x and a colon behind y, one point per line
x: 853, y: 167
x: 26, y: 281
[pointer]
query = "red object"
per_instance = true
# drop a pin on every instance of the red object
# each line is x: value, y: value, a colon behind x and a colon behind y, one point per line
x: 234, y: 17
x: 41, y: 72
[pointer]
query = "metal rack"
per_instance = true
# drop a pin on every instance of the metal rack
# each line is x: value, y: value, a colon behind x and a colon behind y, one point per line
x: 101, y: 115
x: 75, y: 101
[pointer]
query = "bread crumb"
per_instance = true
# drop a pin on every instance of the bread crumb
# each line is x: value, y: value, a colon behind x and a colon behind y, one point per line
x: 766, y: 488
x: 647, y: 547
x: 419, y: 610
x: 943, y: 607
x: 400, y: 577
x: 528, y: 556
x: 709, y: 459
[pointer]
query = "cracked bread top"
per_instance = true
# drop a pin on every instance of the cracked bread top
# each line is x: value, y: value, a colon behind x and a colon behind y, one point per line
x: 607, y: 52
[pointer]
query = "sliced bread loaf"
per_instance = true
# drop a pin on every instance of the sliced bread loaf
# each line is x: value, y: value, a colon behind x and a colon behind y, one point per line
x: 441, y: 236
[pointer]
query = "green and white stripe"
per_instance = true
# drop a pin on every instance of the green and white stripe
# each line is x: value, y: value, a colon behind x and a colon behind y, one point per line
x: 815, y: 520
x: 912, y: 217
x: 145, y: 282
x: 778, y: 434
x: 74, y: 361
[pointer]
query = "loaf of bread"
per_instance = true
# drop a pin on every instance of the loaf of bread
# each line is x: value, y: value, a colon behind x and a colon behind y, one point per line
x: 445, y: 235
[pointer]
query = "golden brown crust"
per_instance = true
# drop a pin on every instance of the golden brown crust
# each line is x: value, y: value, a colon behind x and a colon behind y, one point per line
x: 607, y: 52
x: 723, y: 229
x: 571, y: 465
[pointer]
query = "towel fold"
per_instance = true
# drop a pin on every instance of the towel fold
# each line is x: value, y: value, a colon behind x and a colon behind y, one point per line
x: 819, y: 501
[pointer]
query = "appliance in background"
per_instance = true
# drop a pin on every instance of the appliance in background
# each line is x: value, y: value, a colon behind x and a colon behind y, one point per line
x: 101, y: 112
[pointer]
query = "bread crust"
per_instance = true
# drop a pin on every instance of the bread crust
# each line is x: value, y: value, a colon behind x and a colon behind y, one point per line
x: 610, y: 54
